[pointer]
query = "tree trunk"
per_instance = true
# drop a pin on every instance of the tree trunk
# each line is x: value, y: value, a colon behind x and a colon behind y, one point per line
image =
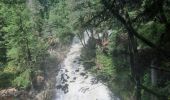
x: 134, y: 65
x: 154, y: 64
x: 153, y: 74
x: 135, y: 62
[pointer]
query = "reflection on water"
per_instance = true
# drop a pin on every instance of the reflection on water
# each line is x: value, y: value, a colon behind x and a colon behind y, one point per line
x: 74, y: 83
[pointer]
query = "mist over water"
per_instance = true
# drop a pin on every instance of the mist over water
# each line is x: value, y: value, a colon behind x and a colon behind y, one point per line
x: 74, y: 83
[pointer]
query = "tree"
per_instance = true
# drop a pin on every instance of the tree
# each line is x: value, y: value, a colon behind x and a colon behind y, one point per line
x: 23, y: 48
x: 131, y: 15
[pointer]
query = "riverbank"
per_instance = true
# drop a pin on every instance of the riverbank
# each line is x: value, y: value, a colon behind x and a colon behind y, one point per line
x: 101, y: 66
x: 43, y: 85
x: 52, y: 65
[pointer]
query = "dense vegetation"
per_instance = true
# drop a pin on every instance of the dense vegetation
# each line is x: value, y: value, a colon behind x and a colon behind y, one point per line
x: 22, y: 46
x: 27, y: 31
x: 128, y: 48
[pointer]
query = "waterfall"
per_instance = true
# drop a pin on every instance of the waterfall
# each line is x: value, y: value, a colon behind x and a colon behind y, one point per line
x: 75, y: 83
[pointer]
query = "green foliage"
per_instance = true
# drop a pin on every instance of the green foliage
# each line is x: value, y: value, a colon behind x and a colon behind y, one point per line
x: 88, y: 57
x: 59, y: 22
x: 23, y: 81
x: 13, y: 1
x: 6, y: 79
x: 22, y: 41
x: 114, y: 71
x: 107, y: 67
x: 152, y: 30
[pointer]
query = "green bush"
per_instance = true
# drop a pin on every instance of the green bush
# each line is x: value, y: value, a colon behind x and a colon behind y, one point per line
x: 23, y: 80
x: 107, y: 68
x: 5, y: 79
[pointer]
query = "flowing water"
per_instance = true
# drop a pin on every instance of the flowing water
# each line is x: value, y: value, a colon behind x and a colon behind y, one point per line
x: 74, y: 83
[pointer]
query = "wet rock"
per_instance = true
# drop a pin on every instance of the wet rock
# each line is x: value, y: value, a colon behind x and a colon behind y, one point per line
x: 64, y: 81
x: 84, y: 89
x: 82, y: 74
x: 64, y: 78
x: 40, y: 80
x: 8, y: 94
x: 43, y: 95
x: 65, y: 88
x: 67, y: 76
x: 77, y: 70
x: 72, y: 81
x: 78, y: 62
x: 74, y: 78
x: 86, y: 76
x: 94, y: 81
x: 59, y: 86
x: 66, y: 70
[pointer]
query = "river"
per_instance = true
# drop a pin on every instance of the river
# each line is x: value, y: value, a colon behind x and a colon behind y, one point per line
x: 75, y: 83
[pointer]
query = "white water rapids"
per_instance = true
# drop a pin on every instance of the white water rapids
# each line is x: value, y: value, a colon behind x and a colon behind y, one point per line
x: 74, y: 83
